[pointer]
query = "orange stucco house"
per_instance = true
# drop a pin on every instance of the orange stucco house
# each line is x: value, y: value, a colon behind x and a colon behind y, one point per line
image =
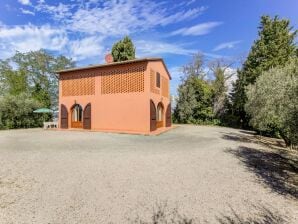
x: 131, y: 97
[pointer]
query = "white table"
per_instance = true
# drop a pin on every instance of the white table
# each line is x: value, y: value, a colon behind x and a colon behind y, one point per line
x: 52, y: 124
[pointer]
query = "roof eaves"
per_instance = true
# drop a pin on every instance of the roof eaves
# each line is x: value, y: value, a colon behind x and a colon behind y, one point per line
x: 114, y: 64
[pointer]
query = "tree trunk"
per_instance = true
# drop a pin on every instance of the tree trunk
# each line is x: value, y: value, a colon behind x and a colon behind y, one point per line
x: 286, y: 140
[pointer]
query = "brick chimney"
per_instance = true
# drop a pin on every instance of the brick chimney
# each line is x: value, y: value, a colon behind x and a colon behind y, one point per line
x: 109, y: 58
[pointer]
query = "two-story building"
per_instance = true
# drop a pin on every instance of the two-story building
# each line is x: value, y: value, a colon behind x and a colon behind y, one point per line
x: 130, y: 96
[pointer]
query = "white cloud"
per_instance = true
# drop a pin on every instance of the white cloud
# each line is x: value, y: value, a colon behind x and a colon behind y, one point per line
x: 28, y: 12
x: 153, y: 48
x: 82, y: 29
x: 30, y: 38
x: 226, y: 45
x: 58, y: 12
x: 86, y: 47
x: 25, y: 2
x: 116, y: 18
x: 197, y: 30
x: 210, y: 55
x: 181, y: 16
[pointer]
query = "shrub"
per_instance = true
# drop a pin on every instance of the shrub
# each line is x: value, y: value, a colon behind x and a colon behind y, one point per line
x: 17, y: 112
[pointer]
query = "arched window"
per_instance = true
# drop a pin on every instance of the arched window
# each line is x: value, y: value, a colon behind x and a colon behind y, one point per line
x: 77, y: 113
x: 159, y: 115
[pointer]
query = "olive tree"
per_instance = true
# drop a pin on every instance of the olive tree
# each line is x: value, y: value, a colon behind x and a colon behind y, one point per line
x: 17, y: 112
x: 272, y: 102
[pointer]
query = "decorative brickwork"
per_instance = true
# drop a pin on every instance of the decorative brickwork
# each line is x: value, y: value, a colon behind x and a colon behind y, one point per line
x: 77, y: 84
x: 123, y: 79
x: 165, y: 87
x: 153, y: 82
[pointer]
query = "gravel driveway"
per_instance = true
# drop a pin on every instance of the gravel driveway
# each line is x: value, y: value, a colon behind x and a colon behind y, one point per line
x: 208, y: 174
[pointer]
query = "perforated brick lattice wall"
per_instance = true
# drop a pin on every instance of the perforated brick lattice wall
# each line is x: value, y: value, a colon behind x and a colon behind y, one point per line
x: 124, y: 79
x: 165, y: 87
x: 78, y: 84
x: 153, y: 87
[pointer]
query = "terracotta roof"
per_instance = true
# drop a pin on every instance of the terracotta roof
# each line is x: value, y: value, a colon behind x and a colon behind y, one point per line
x: 116, y: 63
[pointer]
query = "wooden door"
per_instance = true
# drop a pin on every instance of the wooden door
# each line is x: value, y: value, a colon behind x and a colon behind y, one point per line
x: 152, y: 116
x: 168, y: 116
x: 87, y: 117
x: 76, y: 124
x: 160, y: 116
x: 64, y: 117
x: 76, y: 116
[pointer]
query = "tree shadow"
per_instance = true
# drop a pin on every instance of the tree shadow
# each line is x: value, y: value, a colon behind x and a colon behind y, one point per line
x: 252, y: 137
x: 271, y: 168
x: 258, y: 214
x: 161, y: 214
x: 264, y: 216
x: 237, y: 137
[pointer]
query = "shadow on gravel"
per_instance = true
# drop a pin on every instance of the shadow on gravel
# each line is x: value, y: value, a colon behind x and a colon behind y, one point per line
x: 237, y: 137
x: 265, y: 216
x: 250, y: 136
x: 274, y: 170
x: 161, y: 214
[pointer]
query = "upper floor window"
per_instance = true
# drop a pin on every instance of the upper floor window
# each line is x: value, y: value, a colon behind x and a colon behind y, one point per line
x: 157, y: 80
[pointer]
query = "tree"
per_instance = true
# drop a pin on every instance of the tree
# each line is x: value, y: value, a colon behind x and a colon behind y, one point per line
x: 194, y: 102
x: 34, y: 74
x: 17, y: 112
x: 272, y: 102
x: 221, y: 70
x: 123, y: 50
x: 274, y: 47
x: 29, y: 84
x: 13, y: 81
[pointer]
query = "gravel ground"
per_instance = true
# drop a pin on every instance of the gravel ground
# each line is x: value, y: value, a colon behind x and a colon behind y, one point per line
x: 204, y: 173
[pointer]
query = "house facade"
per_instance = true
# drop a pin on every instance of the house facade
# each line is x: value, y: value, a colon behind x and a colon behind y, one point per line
x: 131, y: 97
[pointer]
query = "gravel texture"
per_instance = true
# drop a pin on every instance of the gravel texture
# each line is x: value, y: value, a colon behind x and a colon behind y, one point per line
x: 207, y: 174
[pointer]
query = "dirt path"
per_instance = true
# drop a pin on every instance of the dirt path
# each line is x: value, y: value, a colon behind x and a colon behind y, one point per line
x: 209, y: 174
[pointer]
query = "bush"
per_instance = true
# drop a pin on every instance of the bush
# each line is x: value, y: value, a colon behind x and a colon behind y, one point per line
x: 17, y: 112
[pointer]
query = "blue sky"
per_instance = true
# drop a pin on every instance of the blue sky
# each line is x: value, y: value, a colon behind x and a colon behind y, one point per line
x: 174, y: 30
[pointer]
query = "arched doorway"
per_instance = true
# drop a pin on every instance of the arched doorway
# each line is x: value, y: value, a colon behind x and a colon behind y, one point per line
x: 152, y: 116
x: 63, y: 117
x: 168, y: 116
x: 87, y: 117
x: 76, y: 116
x: 160, y: 115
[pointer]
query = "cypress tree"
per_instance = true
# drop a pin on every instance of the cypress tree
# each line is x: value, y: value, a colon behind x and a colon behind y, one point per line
x: 123, y: 50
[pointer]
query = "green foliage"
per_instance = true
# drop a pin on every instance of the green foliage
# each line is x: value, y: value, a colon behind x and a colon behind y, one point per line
x: 194, y: 103
x: 123, y: 50
x: 238, y: 99
x: 273, y: 102
x: 32, y: 78
x: 13, y: 82
x: 17, y: 112
x: 274, y: 47
x: 221, y: 103
x: 34, y: 73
